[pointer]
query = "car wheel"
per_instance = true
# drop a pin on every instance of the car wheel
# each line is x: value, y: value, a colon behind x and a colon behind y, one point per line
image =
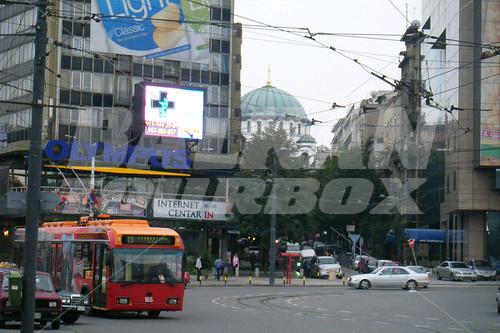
x: 364, y: 284
x: 153, y: 314
x: 55, y: 325
x: 70, y: 317
x: 498, y: 309
x: 438, y: 276
x: 411, y: 285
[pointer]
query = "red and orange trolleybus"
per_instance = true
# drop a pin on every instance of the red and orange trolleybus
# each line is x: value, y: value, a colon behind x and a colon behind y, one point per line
x: 122, y: 264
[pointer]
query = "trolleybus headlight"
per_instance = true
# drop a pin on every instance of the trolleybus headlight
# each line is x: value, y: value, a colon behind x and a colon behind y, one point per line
x: 52, y: 304
x: 172, y: 301
x: 122, y: 300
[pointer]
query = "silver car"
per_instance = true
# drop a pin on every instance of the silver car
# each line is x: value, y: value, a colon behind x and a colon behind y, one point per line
x: 483, y: 269
x: 455, y: 271
x: 387, y: 277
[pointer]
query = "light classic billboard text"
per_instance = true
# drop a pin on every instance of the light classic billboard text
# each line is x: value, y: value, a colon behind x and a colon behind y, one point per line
x: 167, y: 29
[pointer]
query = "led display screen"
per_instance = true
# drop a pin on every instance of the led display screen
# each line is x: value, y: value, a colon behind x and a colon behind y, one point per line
x: 173, y: 112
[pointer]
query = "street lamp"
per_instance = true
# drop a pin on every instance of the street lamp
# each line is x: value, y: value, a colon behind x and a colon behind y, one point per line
x: 272, y: 240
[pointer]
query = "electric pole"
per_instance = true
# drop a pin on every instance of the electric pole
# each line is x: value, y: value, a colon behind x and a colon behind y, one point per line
x: 34, y: 172
x: 272, y: 238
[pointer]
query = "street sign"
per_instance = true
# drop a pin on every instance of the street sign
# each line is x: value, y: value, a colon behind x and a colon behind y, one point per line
x: 350, y: 228
x: 354, y: 238
x: 411, y: 243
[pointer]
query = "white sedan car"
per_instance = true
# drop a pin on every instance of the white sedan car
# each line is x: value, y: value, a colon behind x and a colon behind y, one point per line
x: 390, y: 277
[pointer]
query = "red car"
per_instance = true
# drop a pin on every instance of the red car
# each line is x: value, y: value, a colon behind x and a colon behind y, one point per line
x: 47, y: 301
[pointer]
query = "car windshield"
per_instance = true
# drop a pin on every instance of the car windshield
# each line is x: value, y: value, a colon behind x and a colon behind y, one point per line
x: 417, y: 269
x: 44, y: 283
x: 327, y: 261
x: 482, y: 264
x: 5, y: 283
x: 457, y: 265
x: 147, y: 265
x: 293, y: 247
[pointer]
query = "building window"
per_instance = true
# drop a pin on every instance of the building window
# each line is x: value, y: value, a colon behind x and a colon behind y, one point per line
x: 259, y: 127
x: 249, y: 126
x: 454, y: 180
x: 291, y: 128
x: 299, y: 128
x: 447, y: 183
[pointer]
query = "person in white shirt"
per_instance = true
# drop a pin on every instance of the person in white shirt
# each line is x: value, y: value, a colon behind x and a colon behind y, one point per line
x: 198, y: 266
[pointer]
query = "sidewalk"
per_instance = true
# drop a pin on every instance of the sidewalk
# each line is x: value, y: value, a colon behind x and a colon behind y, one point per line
x: 264, y: 281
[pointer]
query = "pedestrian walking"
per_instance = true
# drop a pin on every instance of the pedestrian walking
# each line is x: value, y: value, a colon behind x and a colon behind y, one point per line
x: 363, y: 266
x: 198, y: 266
x: 219, y: 267
x: 236, y: 265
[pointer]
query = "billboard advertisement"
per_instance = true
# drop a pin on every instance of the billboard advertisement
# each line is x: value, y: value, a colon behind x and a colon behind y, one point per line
x: 490, y: 89
x: 173, y: 29
x: 172, y: 111
x: 126, y: 204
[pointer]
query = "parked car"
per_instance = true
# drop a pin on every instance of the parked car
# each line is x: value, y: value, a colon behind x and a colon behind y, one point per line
x: 387, y: 277
x: 483, y: 269
x: 47, y: 301
x: 455, y: 270
x: 323, y: 265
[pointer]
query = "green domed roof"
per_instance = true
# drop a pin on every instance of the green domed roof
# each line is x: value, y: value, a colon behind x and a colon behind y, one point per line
x: 271, y: 102
x: 306, y: 138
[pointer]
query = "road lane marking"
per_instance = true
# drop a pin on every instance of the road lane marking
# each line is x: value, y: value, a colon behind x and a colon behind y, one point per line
x: 401, y: 316
x: 468, y: 322
x: 432, y: 318
x: 345, y: 311
x: 422, y: 326
x: 455, y: 329
x: 348, y: 319
x: 382, y: 323
x: 321, y: 309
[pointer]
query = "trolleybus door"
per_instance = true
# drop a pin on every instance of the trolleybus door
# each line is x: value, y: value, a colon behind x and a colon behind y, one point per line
x: 99, y: 281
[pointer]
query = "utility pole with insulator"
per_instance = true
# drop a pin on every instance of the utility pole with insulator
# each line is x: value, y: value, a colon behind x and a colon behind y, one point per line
x: 34, y: 171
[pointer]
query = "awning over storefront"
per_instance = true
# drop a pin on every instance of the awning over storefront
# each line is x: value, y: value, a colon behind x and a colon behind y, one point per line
x: 434, y: 235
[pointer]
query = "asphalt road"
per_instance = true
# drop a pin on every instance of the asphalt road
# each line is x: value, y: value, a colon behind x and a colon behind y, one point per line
x: 313, y: 309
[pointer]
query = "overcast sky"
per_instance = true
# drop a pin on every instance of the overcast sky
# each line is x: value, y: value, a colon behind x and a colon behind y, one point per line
x: 314, y: 74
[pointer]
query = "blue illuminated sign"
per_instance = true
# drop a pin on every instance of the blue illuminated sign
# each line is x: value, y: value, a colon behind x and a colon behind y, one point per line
x: 77, y: 151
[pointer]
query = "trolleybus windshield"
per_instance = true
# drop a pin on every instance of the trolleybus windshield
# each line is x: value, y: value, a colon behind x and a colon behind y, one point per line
x: 146, y: 265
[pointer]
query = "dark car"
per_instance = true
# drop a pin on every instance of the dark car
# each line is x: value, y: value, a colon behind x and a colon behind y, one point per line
x: 47, y: 301
x: 73, y: 305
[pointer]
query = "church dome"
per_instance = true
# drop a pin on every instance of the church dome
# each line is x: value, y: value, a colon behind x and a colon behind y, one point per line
x: 269, y: 102
x: 306, y: 138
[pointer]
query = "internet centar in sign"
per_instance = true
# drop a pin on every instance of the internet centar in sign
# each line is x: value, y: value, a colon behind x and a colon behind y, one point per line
x: 164, y: 158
